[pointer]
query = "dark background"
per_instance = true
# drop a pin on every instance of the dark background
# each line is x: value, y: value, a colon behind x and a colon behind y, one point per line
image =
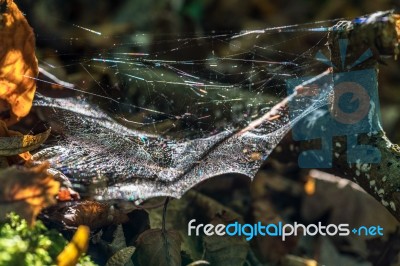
x: 274, y: 195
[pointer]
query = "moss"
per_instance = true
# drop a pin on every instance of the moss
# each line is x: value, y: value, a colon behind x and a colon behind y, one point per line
x: 21, y: 244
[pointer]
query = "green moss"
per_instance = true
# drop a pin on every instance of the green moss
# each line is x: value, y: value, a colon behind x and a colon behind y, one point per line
x: 21, y: 244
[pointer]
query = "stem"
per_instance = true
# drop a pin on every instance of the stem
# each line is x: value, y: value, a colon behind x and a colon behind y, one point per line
x: 164, y: 216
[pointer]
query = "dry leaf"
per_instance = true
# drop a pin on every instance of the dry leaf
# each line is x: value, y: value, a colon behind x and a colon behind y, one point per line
x: 120, y: 254
x: 332, y: 193
x: 67, y: 194
x: 78, y: 245
x: 157, y: 248
x: 90, y: 213
x: 18, y: 64
x: 16, y: 146
x: 26, y: 191
x: 181, y: 211
x: 122, y: 257
x: 14, y: 143
x: 64, y: 195
x: 225, y: 250
x: 264, y: 210
x: 118, y: 241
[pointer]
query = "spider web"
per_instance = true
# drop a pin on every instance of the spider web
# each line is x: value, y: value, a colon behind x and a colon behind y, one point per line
x: 174, y: 118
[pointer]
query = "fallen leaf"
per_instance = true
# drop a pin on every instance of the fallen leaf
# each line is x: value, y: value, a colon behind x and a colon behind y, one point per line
x: 67, y: 194
x: 179, y: 212
x: 225, y: 250
x: 330, y: 255
x: 26, y: 191
x: 158, y: 248
x: 122, y: 257
x: 118, y: 241
x: 331, y: 194
x: 117, y: 251
x: 18, y: 144
x: 264, y: 210
x: 90, y: 213
x: 18, y: 64
x: 64, y: 195
x: 73, y: 251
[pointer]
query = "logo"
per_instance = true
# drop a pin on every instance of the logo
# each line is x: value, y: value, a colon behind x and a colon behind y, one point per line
x: 280, y: 230
x: 344, y: 104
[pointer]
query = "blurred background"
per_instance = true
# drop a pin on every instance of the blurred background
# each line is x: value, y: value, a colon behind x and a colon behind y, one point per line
x: 153, y: 27
x: 280, y: 192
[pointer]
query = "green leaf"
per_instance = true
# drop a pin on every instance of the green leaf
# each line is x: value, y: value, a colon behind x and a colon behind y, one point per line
x: 21, y: 244
x: 158, y: 248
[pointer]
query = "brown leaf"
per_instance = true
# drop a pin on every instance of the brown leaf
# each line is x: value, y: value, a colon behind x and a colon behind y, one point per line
x: 18, y: 64
x: 14, y: 143
x: 181, y: 211
x: 332, y: 193
x: 67, y: 194
x: 90, y: 213
x: 158, y: 248
x: 26, y: 191
x: 16, y: 146
x: 264, y: 210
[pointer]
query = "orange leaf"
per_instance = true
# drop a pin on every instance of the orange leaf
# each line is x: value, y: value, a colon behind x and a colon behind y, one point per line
x: 26, y: 191
x: 64, y: 195
x: 67, y: 193
x: 18, y: 64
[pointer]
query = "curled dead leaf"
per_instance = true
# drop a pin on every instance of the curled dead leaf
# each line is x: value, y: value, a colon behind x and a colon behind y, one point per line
x: 15, y: 143
x: 26, y: 191
x: 16, y: 146
x: 90, y: 213
x: 18, y: 64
